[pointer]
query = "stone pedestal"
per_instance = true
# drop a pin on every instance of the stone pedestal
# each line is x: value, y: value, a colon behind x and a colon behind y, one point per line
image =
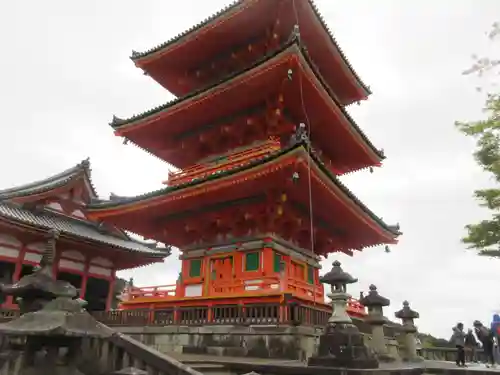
x: 375, y: 304
x: 408, y: 316
x: 339, y: 308
x: 341, y: 344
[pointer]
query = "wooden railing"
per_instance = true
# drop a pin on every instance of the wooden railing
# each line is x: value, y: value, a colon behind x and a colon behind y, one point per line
x: 252, y: 285
x: 159, y: 291
x: 231, y: 161
x: 218, y: 315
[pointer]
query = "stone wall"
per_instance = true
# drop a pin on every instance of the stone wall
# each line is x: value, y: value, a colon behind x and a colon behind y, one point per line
x: 285, y: 342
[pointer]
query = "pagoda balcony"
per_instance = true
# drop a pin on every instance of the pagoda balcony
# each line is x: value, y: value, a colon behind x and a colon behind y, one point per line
x: 223, y: 163
x: 246, y: 286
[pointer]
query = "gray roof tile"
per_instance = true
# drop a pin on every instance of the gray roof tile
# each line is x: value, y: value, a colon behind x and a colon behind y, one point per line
x: 74, y: 227
x: 52, y: 182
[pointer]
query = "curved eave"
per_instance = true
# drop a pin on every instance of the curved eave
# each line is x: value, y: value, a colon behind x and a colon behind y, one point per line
x: 142, y: 58
x: 19, y: 217
x: 292, y: 48
x: 110, y: 208
x: 41, y: 187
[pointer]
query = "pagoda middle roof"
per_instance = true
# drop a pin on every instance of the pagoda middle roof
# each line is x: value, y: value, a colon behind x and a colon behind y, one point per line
x: 292, y: 49
x: 125, y: 204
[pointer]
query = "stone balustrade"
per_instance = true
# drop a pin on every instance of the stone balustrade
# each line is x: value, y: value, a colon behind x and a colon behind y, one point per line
x: 293, y: 315
x: 109, y: 356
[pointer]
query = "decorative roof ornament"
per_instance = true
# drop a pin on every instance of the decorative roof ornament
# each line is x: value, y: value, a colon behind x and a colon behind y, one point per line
x: 135, y: 54
x: 85, y: 163
x: 116, y: 121
x: 295, y: 34
x: 300, y: 135
x: 115, y: 197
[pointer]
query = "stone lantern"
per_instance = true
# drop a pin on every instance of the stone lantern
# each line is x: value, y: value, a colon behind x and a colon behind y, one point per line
x: 408, y: 316
x: 341, y: 344
x: 53, y: 323
x: 376, y: 319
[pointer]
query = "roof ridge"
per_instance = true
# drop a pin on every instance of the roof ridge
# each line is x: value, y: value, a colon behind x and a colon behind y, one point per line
x: 51, y: 182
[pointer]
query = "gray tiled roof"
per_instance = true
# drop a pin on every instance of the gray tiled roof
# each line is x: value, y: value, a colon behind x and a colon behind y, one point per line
x: 74, y: 227
x: 52, y: 182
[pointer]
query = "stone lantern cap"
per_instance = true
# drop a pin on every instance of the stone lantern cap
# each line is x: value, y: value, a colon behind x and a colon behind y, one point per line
x: 406, y: 312
x: 374, y: 299
x: 337, y: 276
x: 59, y: 317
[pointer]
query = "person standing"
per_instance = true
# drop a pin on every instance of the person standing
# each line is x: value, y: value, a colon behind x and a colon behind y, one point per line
x: 471, y: 345
x: 495, y: 331
x: 458, y: 339
x: 486, y: 337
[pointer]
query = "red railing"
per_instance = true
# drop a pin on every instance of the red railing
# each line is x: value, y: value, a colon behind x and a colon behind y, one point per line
x: 159, y: 291
x: 232, y: 161
x: 248, y: 285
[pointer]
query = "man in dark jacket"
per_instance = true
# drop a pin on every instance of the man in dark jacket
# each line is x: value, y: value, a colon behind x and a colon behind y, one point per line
x: 471, y: 346
x: 486, y: 337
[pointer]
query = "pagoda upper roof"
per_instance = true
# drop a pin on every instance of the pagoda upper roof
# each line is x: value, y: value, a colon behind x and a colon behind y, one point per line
x: 153, y: 118
x: 25, y: 205
x: 234, y: 16
x: 129, y: 204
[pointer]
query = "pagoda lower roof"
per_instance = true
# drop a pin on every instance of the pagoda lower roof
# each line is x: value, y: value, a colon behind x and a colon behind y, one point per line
x: 45, y: 220
x: 157, y: 130
x: 152, y: 204
x: 238, y: 23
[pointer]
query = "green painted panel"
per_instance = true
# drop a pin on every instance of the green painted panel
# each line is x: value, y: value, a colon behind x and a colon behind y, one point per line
x: 252, y: 261
x: 195, y: 268
x: 310, y: 275
x: 277, y: 262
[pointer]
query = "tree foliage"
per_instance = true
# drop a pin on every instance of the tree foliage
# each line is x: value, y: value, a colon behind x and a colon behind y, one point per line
x: 485, y: 235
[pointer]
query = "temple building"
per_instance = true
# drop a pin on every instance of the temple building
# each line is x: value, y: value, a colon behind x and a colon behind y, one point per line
x: 259, y: 134
x: 89, y: 252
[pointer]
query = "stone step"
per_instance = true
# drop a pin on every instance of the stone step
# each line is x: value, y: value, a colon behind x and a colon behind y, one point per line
x: 221, y: 351
x: 208, y: 368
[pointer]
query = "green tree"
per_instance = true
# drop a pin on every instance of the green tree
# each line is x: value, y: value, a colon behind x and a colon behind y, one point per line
x: 485, y: 235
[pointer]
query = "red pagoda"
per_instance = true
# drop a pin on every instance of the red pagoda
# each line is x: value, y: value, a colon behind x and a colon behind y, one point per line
x: 259, y: 134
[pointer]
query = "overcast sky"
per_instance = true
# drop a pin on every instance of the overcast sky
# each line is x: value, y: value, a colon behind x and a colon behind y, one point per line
x: 65, y: 71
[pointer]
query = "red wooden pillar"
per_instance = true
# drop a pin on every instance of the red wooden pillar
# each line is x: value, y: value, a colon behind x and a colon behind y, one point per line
x: 111, y: 290
x: 17, y: 272
x: 85, y: 276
